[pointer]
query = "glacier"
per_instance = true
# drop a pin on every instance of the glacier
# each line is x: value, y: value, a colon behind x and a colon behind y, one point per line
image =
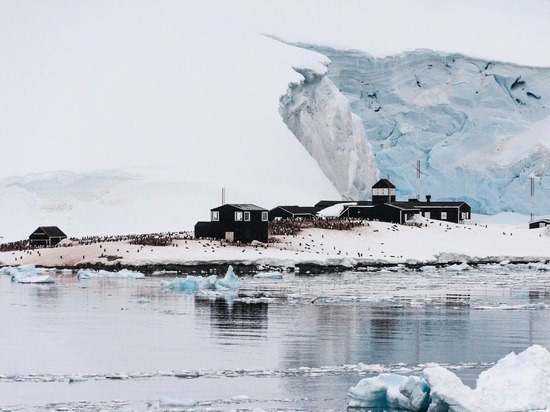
x: 321, y: 118
x: 480, y: 128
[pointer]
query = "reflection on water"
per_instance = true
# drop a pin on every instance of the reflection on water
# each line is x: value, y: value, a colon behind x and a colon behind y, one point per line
x: 302, y: 347
x: 230, y: 317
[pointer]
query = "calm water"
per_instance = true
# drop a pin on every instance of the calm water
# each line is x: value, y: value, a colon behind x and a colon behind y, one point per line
x: 292, y: 344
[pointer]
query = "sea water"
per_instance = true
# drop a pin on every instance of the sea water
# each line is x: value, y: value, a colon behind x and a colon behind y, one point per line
x: 297, y: 343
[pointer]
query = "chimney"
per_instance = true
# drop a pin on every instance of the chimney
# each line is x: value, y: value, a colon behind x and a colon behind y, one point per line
x: 428, y: 198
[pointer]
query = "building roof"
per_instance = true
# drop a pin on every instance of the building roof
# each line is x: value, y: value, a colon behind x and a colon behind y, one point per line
x: 300, y: 210
x: 51, y: 231
x: 383, y: 184
x: 412, y: 206
x: 438, y: 204
x: 327, y: 203
x: 241, y: 206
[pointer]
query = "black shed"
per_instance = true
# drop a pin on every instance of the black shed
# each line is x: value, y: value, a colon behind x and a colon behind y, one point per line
x: 455, y: 212
x: 46, y: 236
x: 535, y: 224
x: 235, y: 222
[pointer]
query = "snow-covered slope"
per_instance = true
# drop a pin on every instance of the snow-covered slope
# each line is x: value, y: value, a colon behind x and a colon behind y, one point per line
x: 126, y: 118
x: 480, y: 128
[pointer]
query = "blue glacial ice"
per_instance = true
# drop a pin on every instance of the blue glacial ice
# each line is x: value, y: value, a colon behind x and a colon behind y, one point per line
x: 193, y: 284
x: 478, y: 127
x: 518, y: 382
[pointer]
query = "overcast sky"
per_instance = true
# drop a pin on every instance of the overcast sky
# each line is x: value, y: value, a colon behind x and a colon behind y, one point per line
x: 80, y: 80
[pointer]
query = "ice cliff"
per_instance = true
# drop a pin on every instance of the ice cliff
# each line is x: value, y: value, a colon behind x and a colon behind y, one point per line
x: 479, y: 128
x: 322, y: 120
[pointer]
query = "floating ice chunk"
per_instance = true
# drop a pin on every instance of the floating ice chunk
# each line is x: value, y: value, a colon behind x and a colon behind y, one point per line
x: 121, y: 274
x: 240, y: 398
x: 194, y: 284
x: 77, y: 378
x: 268, y: 275
x: 88, y: 274
x: 381, y: 391
x: 458, y: 268
x: 417, y: 391
x: 38, y: 279
x: 518, y: 382
x: 448, y: 393
x: 191, y: 284
x: 171, y: 402
x: 230, y: 281
x: 117, y: 376
x: 187, y: 374
x: 19, y: 272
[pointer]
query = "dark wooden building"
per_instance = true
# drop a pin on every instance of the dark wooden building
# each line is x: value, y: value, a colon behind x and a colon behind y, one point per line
x: 383, y: 191
x: 293, y: 212
x: 235, y: 222
x: 455, y: 212
x: 535, y: 224
x: 399, y: 212
x: 46, y: 236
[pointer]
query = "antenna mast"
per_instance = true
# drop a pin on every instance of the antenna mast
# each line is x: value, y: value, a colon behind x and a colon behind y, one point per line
x: 532, y: 199
x: 223, y: 196
x: 418, y: 173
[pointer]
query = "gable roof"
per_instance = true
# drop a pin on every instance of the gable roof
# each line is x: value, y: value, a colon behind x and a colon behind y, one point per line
x: 300, y: 210
x: 438, y: 204
x: 383, y: 184
x: 241, y: 206
x: 401, y: 205
x: 51, y: 231
x: 327, y: 203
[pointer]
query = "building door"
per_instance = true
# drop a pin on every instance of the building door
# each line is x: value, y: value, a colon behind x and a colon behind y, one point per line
x: 230, y: 236
x: 427, y: 215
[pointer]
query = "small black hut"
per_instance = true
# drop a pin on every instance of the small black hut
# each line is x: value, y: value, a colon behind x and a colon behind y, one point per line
x: 46, y: 236
x: 235, y: 222
x: 535, y: 224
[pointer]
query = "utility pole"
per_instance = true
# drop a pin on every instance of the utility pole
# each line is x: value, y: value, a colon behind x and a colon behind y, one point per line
x: 532, y: 199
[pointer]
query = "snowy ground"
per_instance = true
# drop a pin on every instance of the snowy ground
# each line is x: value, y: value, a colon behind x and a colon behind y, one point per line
x: 374, y: 243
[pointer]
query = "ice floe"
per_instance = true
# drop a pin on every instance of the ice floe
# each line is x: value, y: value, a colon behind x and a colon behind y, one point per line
x: 27, y: 274
x: 193, y: 284
x: 518, y: 382
x: 268, y: 275
x: 121, y: 274
x: 172, y: 402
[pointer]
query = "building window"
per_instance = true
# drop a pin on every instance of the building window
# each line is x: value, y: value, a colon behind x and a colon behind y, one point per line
x: 238, y: 216
x: 215, y: 216
x: 247, y: 216
x: 444, y: 215
x: 264, y: 216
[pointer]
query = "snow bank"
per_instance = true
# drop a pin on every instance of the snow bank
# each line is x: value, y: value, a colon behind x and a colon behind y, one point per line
x: 516, y: 383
